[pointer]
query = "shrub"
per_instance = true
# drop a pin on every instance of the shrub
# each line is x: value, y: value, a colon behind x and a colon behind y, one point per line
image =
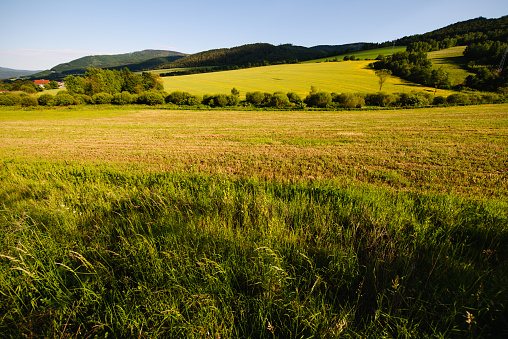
x: 183, y: 98
x: 9, y: 99
x: 46, y: 100
x: 28, y: 89
x: 102, y: 98
x: 319, y: 99
x: 29, y: 101
x: 439, y: 100
x: 350, y: 100
x: 380, y: 99
x: 123, y: 98
x: 151, y: 98
x: 457, y: 99
x: 81, y: 99
x: 294, y: 98
x: 413, y: 99
x: 255, y: 98
x: 279, y: 99
x: 64, y: 99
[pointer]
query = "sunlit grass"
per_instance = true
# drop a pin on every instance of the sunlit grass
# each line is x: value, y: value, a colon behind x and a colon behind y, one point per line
x: 338, y: 77
x: 170, y: 224
x: 452, y: 60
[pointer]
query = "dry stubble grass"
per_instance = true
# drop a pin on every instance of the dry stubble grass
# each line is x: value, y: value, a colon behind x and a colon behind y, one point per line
x: 459, y: 149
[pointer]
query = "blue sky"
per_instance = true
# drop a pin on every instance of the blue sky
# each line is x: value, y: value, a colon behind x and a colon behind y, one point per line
x: 41, y: 34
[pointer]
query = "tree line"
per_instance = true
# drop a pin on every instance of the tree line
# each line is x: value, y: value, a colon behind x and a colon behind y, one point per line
x: 315, y: 99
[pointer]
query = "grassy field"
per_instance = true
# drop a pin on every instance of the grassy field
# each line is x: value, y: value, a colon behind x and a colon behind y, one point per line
x: 370, y: 54
x: 339, y: 77
x: 152, y: 223
x: 452, y: 60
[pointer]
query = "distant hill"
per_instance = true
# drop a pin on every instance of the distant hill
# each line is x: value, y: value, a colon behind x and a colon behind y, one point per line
x: 112, y: 61
x: 7, y: 73
x: 259, y: 53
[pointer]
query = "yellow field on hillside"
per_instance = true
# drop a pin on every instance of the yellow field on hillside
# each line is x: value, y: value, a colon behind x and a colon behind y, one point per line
x: 339, y: 77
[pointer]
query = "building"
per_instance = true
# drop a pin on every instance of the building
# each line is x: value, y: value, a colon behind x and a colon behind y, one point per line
x: 41, y: 82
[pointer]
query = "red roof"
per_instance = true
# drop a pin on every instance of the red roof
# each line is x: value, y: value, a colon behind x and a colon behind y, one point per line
x: 41, y: 82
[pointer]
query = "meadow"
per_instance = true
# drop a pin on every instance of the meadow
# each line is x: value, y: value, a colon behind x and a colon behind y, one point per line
x: 338, y: 77
x: 452, y: 61
x: 153, y: 223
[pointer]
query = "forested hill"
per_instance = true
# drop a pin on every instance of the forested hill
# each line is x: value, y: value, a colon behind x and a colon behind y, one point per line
x: 115, y: 61
x: 258, y: 54
x: 464, y: 32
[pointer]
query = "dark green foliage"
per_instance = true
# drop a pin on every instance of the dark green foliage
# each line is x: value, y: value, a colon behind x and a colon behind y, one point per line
x: 102, y: 98
x: 151, y: 82
x: 258, y: 55
x: 458, y: 99
x: 45, y: 99
x: 414, y: 66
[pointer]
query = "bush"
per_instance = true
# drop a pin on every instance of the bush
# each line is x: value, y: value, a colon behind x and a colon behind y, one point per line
x: 413, y: 99
x: 457, y: 99
x: 81, y: 99
x: 151, y: 98
x: 46, y: 100
x: 279, y: 99
x: 380, y: 99
x: 9, y: 99
x: 294, y: 98
x: 123, y: 98
x: 319, y: 99
x: 255, y: 98
x: 28, y: 89
x: 220, y: 100
x: 102, y: 98
x: 350, y: 100
x: 183, y: 98
x: 29, y: 101
x: 64, y: 99
x: 439, y: 100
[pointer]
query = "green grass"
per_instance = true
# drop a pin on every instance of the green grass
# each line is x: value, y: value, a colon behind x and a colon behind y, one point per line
x: 370, y: 54
x: 157, y: 224
x: 453, y: 61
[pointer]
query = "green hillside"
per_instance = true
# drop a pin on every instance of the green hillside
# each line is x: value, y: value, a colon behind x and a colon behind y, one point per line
x: 369, y: 54
x: 453, y: 62
x: 108, y: 61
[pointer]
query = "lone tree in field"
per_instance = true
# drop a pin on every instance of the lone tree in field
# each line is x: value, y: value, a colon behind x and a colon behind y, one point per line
x: 383, y: 74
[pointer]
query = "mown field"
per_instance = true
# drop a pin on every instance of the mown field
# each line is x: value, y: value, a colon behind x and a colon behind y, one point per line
x: 154, y: 223
x: 338, y: 77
